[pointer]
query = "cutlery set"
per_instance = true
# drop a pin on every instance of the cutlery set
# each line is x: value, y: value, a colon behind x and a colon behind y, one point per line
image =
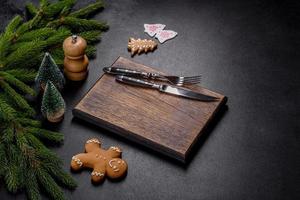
x: 136, y: 78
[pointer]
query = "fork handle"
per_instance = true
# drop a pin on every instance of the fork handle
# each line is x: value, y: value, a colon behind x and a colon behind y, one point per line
x: 125, y: 71
x: 136, y: 82
x: 130, y: 72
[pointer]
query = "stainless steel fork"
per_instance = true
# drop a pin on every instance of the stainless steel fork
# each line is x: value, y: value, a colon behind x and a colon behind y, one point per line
x: 175, y: 80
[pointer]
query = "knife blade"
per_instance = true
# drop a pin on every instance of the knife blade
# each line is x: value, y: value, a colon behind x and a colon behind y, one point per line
x: 186, y: 93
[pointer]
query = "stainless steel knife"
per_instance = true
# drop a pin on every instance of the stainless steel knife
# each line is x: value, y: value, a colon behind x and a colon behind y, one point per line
x: 166, y: 88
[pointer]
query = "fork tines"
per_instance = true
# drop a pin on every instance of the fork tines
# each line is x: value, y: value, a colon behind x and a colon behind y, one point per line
x: 188, y: 80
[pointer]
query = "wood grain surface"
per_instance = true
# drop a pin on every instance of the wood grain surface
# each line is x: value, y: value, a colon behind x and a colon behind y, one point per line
x: 162, y: 122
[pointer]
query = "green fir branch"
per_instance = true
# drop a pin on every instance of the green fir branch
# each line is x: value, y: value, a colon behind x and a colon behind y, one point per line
x: 44, y: 3
x: 41, y: 34
x: 88, y: 11
x: 13, y: 175
x: 7, y: 113
x: 23, y: 28
x: 91, y: 36
x: 58, y: 38
x: 91, y: 51
x: 78, y: 25
x: 17, y: 83
x: 25, y: 75
x: 10, y: 28
x: 31, y: 9
x: 18, y: 99
x: 24, y: 53
x: 57, y: 53
x: 54, y: 9
x: 59, y: 61
x: 5, y: 42
x: 3, y: 159
x: 63, y: 178
x: 49, y: 185
x: 46, y: 135
x: 32, y: 186
x: 8, y: 135
x: 29, y: 122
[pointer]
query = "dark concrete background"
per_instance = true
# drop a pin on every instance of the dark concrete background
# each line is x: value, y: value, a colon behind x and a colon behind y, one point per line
x: 247, y: 50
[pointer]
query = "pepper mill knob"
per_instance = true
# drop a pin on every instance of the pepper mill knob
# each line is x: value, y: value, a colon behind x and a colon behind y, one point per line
x: 74, y: 39
x: 75, y: 62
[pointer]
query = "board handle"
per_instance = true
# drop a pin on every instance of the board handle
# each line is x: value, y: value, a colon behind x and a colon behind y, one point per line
x: 136, y: 82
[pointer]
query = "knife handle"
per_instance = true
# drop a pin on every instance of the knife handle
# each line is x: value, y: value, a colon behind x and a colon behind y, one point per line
x: 126, y: 72
x: 136, y: 82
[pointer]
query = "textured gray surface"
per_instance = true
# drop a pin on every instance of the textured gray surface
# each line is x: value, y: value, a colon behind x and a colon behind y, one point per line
x: 248, y: 51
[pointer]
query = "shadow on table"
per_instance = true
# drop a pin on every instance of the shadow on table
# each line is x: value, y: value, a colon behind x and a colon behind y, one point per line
x: 206, y: 132
x: 195, y: 149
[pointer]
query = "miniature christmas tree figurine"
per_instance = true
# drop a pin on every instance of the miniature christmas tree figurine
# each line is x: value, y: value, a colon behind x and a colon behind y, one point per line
x: 53, y: 105
x: 49, y: 71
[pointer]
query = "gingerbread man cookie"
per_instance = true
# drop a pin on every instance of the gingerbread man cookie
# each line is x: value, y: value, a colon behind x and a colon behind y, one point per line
x: 103, y: 162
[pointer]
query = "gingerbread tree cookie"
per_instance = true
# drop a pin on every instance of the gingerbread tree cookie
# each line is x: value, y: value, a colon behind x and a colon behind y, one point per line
x: 103, y: 162
x: 139, y: 46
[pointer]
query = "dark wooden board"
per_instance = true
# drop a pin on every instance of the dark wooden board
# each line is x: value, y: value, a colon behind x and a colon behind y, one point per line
x: 162, y: 122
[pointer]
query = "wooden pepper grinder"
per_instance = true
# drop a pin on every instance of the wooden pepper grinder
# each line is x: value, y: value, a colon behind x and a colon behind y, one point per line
x: 75, y: 62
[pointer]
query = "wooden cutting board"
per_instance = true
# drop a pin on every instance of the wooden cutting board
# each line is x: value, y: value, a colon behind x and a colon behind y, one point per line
x: 162, y: 122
